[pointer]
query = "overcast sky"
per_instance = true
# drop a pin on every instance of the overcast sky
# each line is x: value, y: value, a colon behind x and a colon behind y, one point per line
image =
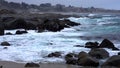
x: 110, y: 4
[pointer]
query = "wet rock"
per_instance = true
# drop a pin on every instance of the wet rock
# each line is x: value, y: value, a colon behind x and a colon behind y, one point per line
x: 21, y: 32
x: 55, y: 25
x: 91, y: 45
x: 55, y: 54
x: 106, y: 44
x: 88, y: 61
x: 83, y: 54
x: 85, y: 60
x: 8, y: 33
x: 32, y: 65
x: 113, y: 61
x: 99, y: 53
x: 71, y: 58
x: 5, y: 43
x: 115, y: 48
x: 5, y: 48
x: 118, y: 53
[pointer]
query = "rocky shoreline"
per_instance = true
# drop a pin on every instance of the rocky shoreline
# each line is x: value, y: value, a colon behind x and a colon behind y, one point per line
x: 54, y: 23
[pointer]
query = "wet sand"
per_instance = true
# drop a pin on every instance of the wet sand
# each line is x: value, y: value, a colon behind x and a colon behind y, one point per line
x: 7, y: 64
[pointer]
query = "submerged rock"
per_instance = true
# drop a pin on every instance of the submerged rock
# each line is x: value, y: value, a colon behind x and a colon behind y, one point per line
x: 32, y: 65
x: 99, y: 53
x: 113, y: 61
x: 8, y: 33
x: 5, y: 43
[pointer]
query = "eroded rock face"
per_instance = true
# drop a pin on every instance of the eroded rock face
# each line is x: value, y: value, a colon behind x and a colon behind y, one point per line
x: 32, y: 65
x: 99, y: 53
x: 113, y: 61
x: 5, y: 43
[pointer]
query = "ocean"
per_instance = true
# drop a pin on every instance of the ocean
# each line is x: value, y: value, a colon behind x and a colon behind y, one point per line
x: 34, y: 47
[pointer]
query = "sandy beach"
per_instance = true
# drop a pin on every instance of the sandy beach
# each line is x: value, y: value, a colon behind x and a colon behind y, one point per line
x: 8, y: 64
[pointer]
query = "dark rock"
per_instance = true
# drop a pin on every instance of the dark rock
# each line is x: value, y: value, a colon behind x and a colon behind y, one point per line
x: 5, y: 11
x: 85, y: 60
x: 78, y: 46
x: 88, y: 61
x: 18, y: 32
x: 2, y: 29
x: 21, y: 32
x: 9, y: 33
x: 32, y: 65
x: 82, y: 55
x: 115, y: 48
x: 99, y: 53
x: 113, y: 61
x: 106, y: 44
x: 118, y: 53
x: 5, y: 44
x: 91, y: 45
x: 55, y: 25
x: 55, y: 54
x: 71, y: 58
x: 19, y: 24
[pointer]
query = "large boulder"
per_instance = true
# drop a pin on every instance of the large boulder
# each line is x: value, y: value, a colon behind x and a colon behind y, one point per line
x: 99, y: 53
x: 85, y: 60
x: 55, y: 54
x: 107, y: 44
x: 32, y: 65
x: 91, y: 45
x: 113, y: 61
x: 71, y: 58
x: 5, y: 43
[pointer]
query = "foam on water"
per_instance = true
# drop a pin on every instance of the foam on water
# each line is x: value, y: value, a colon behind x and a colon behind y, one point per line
x: 34, y: 47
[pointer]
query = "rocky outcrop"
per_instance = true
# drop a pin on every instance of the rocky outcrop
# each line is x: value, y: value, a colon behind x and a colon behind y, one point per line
x: 32, y: 65
x: 107, y: 44
x: 5, y: 43
x: 55, y: 25
x: 99, y: 53
x: 112, y: 61
x: 91, y: 45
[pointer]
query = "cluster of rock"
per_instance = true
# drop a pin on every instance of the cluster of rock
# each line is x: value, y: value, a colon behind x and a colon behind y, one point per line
x: 93, y: 57
x: 39, y: 24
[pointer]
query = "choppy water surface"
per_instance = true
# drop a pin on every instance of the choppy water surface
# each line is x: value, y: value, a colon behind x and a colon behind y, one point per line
x: 34, y: 47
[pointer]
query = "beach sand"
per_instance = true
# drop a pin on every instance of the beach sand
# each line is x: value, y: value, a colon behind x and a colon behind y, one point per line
x: 7, y: 64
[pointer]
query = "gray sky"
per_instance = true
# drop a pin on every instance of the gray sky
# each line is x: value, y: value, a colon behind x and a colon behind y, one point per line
x: 109, y: 4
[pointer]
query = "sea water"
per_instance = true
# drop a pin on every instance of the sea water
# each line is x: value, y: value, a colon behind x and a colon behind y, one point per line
x: 34, y: 47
